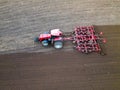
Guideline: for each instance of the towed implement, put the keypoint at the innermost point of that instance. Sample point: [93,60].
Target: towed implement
[85,39]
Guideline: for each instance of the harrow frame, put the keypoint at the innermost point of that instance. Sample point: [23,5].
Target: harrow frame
[87,40]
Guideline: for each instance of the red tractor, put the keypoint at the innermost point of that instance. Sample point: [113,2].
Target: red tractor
[52,37]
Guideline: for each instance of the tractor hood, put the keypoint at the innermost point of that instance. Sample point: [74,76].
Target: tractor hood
[44,36]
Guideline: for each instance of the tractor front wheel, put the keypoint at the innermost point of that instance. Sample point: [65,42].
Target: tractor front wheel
[45,43]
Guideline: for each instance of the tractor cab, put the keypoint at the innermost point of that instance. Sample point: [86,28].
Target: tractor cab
[56,38]
[55,32]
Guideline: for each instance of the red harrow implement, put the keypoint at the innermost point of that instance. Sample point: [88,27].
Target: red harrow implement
[87,40]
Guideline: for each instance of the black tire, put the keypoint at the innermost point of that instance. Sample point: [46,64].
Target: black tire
[58,44]
[45,43]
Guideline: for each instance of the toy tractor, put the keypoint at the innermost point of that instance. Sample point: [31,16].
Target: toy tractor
[52,37]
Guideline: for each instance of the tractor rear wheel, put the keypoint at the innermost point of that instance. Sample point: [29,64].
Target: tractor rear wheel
[58,44]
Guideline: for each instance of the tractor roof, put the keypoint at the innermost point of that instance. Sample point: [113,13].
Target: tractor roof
[55,32]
